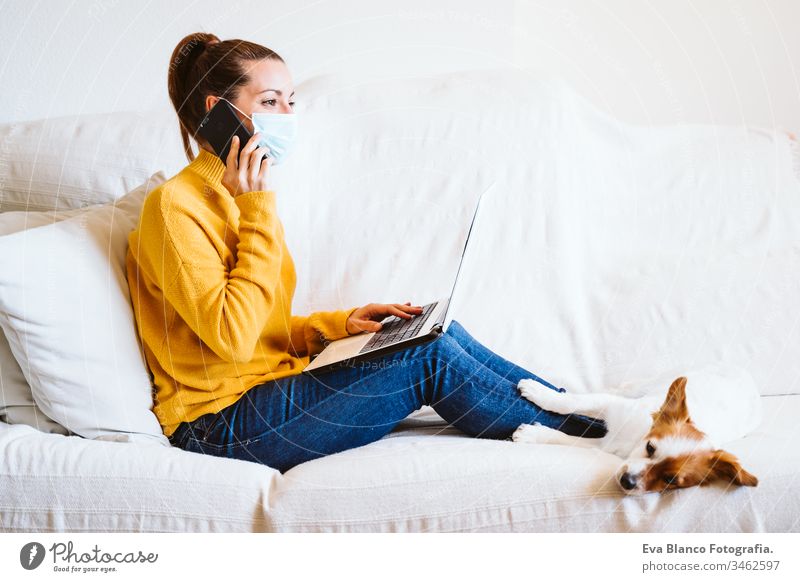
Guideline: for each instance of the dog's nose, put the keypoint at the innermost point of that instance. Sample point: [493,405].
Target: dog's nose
[627,481]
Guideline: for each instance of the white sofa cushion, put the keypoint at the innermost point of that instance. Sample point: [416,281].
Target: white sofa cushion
[81,160]
[17,405]
[424,476]
[67,483]
[429,477]
[65,309]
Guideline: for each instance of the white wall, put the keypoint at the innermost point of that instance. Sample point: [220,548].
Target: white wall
[647,61]
[669,61]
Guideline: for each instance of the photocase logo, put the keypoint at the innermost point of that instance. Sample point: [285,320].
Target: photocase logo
[31,555]
[65,559]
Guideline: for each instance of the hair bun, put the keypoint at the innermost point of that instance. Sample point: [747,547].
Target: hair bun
[190,48]
[207,40]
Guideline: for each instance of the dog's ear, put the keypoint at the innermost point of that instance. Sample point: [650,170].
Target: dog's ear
[674,408]
[725,466]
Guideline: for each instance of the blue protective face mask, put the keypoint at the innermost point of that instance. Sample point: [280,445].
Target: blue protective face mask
[277,130]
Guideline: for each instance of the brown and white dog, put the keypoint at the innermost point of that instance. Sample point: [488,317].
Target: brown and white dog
[668,442]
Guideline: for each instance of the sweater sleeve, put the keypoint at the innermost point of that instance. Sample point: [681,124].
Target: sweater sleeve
[309,333]
[227,310]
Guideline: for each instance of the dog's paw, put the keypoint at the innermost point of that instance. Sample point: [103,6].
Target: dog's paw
[529,433]
[519,435]
[535,392]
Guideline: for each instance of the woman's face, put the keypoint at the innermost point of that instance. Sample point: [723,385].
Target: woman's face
[270,90]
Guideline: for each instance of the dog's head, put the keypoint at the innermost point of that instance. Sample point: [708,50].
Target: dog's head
[676,454]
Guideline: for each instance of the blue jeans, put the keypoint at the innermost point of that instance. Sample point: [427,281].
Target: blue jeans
[294,419]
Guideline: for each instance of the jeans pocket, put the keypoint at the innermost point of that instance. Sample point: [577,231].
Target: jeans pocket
[182,434]
[210,430]
[224,443]
[194,430]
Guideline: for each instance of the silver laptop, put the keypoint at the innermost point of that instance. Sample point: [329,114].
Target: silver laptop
[396,333]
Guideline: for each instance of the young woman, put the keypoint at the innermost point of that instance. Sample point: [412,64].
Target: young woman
[212,283]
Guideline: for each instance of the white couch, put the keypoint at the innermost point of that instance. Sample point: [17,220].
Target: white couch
[609,254]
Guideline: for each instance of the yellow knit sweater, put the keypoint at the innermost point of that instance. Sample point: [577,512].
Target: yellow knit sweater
[211,283]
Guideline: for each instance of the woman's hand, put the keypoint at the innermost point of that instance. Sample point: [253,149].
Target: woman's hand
[368,318]
[251,173]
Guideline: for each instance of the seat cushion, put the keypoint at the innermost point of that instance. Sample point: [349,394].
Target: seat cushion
[432,477]
[53,482]
[423,476]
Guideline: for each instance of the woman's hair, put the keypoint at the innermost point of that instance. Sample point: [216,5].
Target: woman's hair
[202,65]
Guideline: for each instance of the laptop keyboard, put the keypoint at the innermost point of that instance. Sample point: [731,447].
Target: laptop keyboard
[396,329]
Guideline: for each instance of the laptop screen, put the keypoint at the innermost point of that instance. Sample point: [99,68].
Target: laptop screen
[464,251]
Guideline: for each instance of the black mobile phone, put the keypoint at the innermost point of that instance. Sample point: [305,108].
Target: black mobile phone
[220,125]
